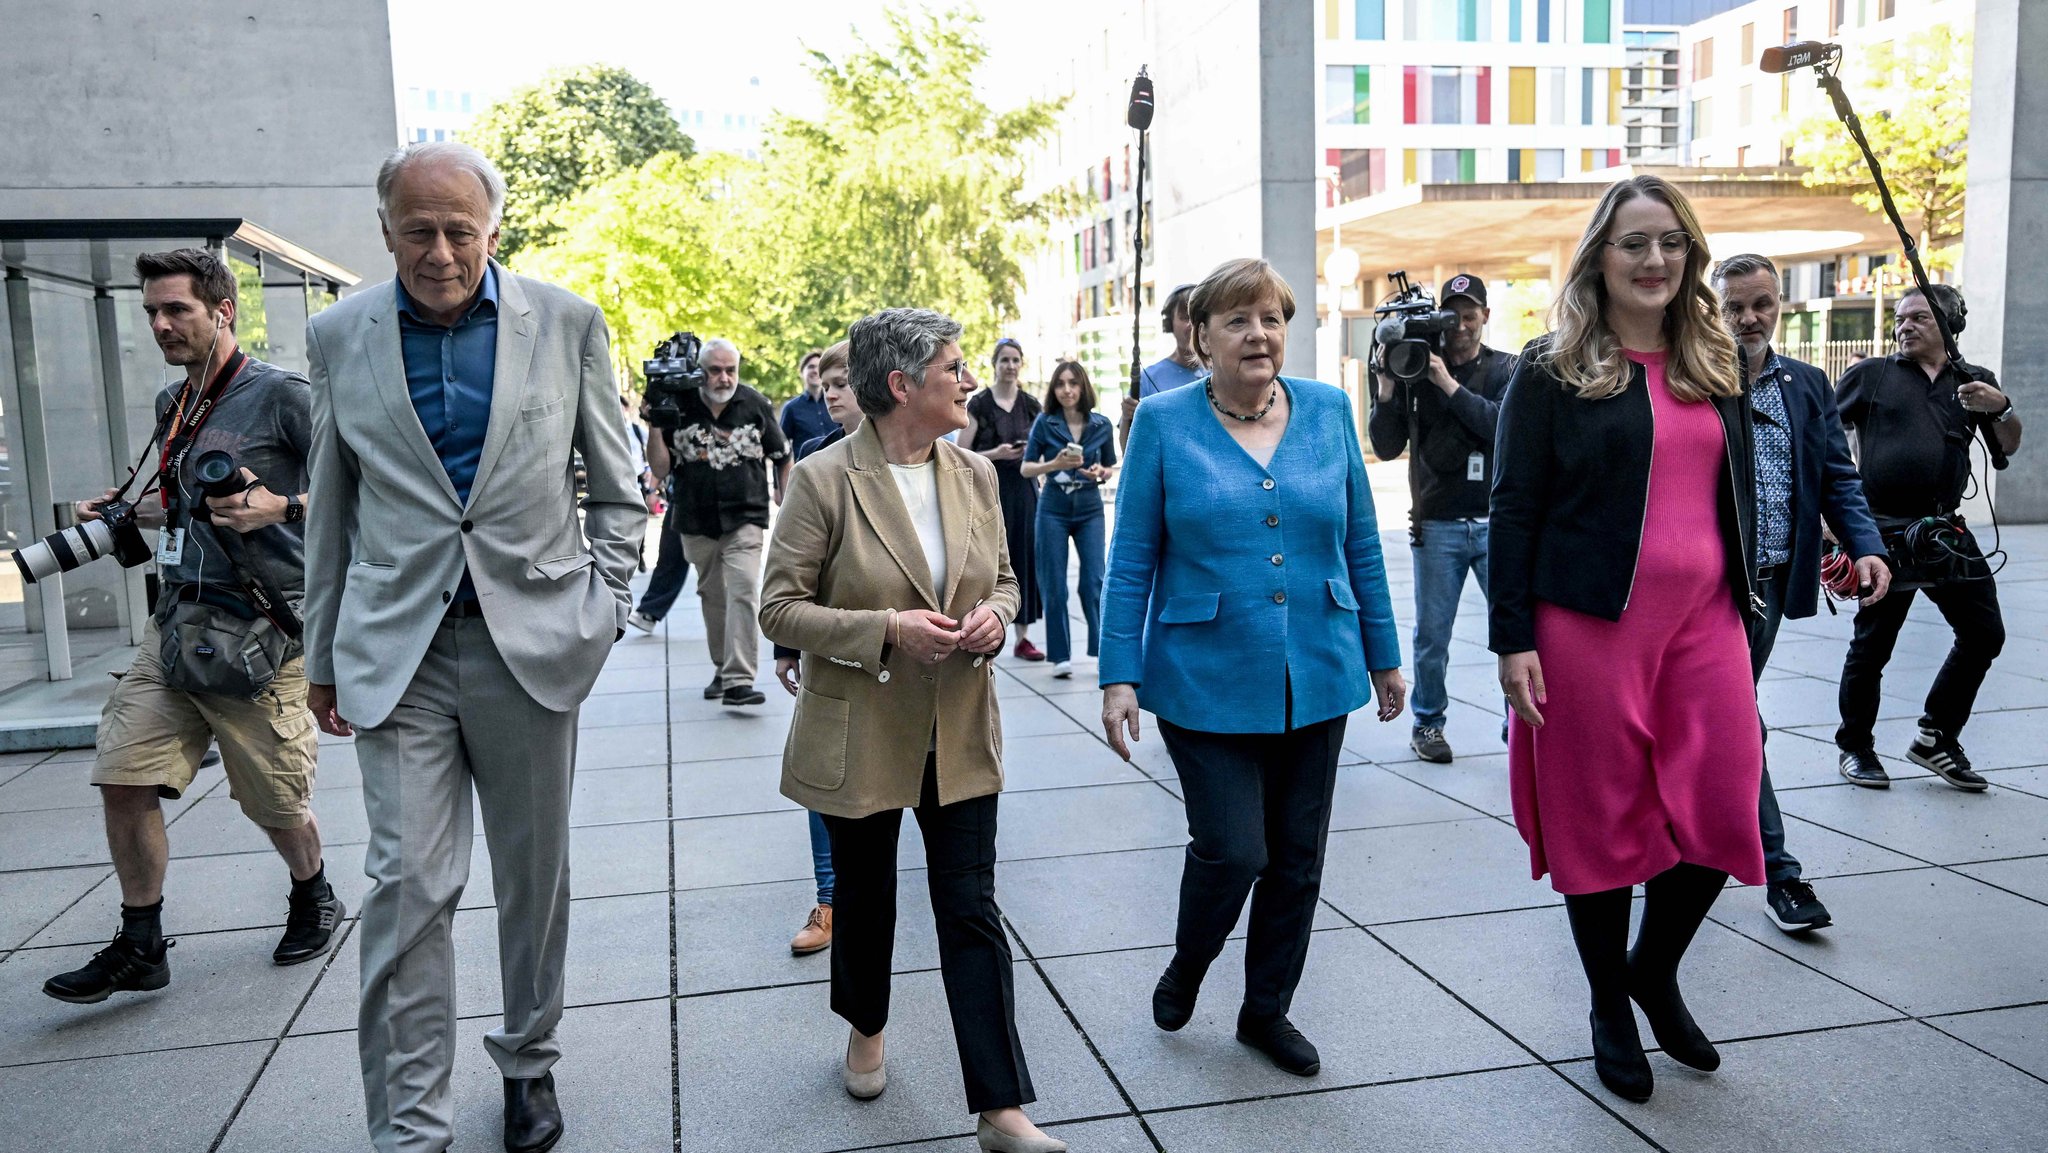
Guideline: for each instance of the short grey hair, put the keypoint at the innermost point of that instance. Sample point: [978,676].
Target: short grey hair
[1742,264]
[451,151]
[893,340]
[719,342]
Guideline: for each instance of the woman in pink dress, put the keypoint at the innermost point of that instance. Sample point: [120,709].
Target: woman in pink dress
[1622,515]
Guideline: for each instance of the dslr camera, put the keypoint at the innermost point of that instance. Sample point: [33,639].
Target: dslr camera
[677,367]
[115,534]
[1408,328]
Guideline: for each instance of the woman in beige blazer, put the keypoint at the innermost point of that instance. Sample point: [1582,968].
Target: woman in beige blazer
[888,570]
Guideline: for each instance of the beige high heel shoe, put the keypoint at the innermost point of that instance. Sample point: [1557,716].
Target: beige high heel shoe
[994,1140]
[864,1086]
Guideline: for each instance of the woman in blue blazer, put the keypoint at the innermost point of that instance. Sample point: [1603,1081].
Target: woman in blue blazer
[1247,608]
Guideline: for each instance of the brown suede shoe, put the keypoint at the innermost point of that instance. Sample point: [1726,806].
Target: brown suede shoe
[816,933]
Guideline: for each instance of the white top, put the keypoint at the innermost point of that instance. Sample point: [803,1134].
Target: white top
[919,486]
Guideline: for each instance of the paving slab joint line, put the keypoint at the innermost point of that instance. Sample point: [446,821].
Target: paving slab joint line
[1588,1094]
[1100,737]
[668,784]
[276,1043]
[968,1134]
[1115,1082]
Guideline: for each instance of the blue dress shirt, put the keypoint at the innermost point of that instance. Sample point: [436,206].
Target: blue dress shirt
[1165,375]
[450,372]
[805,419]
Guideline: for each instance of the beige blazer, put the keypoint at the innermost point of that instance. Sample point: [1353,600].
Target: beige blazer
[844,553]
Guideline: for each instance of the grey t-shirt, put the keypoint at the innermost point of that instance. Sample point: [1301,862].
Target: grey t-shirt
[265,421]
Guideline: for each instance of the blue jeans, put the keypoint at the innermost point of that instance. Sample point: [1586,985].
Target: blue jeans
[671,572]
[1062,515]
[1446,551]
[821,858]
[1779,865]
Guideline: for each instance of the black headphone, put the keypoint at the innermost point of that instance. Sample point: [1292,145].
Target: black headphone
[1950,301]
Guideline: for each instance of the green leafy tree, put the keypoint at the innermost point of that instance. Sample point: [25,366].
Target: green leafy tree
[1915,104]
[574,129]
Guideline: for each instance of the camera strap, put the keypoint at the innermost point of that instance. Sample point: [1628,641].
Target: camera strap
[185,423]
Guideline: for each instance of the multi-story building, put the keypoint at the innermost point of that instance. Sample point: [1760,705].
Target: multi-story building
[437,113]
[727,115]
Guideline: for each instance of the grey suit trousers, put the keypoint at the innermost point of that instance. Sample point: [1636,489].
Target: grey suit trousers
[464,718]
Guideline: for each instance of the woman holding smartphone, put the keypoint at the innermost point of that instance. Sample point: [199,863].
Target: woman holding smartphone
[1074,446]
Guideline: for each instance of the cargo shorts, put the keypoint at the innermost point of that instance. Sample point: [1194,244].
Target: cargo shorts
[153,735]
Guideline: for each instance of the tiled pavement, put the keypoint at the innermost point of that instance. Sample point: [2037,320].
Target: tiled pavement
[1442,987]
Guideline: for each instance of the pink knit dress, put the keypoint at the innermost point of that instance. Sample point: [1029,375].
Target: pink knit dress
[1650,752]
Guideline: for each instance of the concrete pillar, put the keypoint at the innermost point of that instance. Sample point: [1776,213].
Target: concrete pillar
[2007,231]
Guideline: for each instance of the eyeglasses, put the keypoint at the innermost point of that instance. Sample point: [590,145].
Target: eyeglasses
[957,370]
[1636,245]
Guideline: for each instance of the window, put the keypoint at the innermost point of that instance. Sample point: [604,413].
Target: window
[1550,164]
[433,99]
[440,134]
[1452,165]
[1837,15]
[419,136]
[1475,19]
[1749,43]
[1543,21]
[1370,20]
[1587,77]
[1744,101]
[1088,249]
[1361,172]
[1791,26]
[1521,96]
[1742,156]
[1703,116]
[1347,94]
[1447,95]
[1515,21]
[1703,59]
[1886,9]
[1599,26]
[466,97]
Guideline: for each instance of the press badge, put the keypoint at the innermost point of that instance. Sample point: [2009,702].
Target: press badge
[170,546]
[1475,467]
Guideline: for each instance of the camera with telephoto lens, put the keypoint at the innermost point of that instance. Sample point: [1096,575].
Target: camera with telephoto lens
[677,367]
[114,534]
[1408,328]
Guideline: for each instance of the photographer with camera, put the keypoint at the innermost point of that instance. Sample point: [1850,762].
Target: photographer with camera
[719,447]
[220,658]
[1444,417]
[1913,414]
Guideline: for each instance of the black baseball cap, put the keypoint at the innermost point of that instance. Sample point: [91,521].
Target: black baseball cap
[1465,284]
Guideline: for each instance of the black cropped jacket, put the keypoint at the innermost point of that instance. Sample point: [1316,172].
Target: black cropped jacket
[1570,484]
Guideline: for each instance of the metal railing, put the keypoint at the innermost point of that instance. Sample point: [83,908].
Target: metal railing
[1833,356]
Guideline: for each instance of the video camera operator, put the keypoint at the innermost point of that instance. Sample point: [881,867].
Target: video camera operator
[220,657]
[1913,415]
[1445,423]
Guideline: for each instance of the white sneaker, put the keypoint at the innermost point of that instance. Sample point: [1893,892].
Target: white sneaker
[1063,670]
[642,621]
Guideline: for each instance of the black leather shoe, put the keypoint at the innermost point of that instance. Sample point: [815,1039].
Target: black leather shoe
[309,927]
[1618,1057]
[744,695]
[1671,1022]
[1173,1000]
[714,690]
[118,968]
[533,1119]
[1282,1043]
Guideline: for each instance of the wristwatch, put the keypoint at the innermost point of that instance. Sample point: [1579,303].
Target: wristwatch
[2003,414]
[294,509]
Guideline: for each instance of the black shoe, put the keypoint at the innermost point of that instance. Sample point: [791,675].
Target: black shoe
[533,1118]
[309,927]
[744,695]
[1173,1000]
[1861,767]
[1794,908]
[1618,1057]
[714,690]
[1430,745]
[1670,1022]
[1282,1043]
[118,968]
[1943,757]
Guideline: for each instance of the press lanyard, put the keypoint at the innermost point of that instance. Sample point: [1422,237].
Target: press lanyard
[208,398]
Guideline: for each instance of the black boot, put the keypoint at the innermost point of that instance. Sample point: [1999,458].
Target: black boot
[1600,930]
[309,925]
[533,1118]
[1675,902]
[1173,999]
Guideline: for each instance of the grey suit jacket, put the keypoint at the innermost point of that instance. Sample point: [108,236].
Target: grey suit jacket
[387,538]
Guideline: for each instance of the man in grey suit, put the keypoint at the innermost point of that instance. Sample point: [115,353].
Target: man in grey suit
[457,614]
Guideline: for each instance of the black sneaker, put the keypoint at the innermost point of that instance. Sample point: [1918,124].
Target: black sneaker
[1430,745]
[714,690]
[744,695]
[309,927]
[1943,757]
[1861,767]
[118,968]
[1794,908]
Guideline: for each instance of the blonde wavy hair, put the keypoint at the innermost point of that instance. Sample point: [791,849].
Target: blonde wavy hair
[1585,354]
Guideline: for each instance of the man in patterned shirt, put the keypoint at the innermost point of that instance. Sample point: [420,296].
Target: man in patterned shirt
[721,452]
[1804,475]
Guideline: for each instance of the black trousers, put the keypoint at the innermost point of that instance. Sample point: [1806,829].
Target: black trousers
[974,953]
[1258,824]
[1971,610]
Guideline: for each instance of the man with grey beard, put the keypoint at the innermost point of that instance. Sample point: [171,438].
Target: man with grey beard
[720,454]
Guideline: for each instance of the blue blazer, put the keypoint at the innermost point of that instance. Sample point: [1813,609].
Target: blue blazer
[1824,484]
[1227,580]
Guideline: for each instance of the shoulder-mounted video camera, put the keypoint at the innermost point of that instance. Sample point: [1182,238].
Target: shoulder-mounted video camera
[1409,328]
[676,368]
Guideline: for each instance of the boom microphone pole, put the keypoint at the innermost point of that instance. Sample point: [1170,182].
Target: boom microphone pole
[1824,59]
[1139,116]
